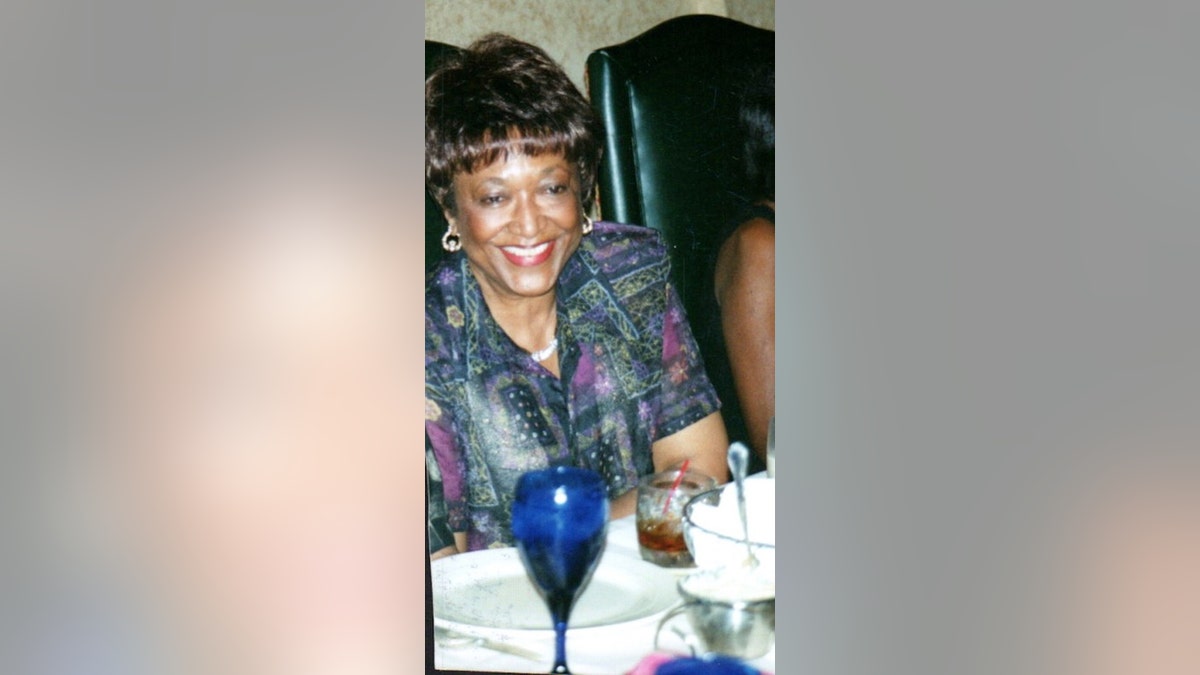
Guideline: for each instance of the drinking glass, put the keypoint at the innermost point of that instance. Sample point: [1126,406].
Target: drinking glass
[659,517]
[559,520]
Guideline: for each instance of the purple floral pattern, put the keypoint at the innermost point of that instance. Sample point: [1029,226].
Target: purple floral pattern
[631,374]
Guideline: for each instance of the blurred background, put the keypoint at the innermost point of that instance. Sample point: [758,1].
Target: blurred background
[205,254]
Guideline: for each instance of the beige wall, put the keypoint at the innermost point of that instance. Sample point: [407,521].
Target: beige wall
[571,29]
[759,13]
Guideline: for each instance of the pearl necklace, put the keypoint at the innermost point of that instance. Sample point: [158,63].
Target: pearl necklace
[543,354]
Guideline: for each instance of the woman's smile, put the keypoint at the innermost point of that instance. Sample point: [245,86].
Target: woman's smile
[529,256]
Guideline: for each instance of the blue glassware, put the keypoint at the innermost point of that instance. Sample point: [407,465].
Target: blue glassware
[559,520]
[706,665]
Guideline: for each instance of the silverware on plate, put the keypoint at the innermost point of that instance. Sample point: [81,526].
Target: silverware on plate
[451,639]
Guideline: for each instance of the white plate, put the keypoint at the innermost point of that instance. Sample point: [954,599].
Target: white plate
[490,590]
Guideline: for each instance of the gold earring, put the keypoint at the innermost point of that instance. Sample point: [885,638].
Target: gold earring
[588,225]
[451,242]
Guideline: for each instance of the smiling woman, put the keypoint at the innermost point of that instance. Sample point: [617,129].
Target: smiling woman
[550,339]
[518,222]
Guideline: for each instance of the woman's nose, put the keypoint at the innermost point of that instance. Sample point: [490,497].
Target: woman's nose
[525,220]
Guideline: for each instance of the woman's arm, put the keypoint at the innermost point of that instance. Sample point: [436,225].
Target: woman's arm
[440,540]
[448,551]
[704,442]
[745,285]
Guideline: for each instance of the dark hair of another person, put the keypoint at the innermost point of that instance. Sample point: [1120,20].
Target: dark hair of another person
[757,118]
[502,95]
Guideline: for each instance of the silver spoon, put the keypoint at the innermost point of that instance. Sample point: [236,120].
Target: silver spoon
[451,639]
[739,457]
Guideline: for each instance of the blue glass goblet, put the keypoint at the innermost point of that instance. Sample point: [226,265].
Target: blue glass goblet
[559,520]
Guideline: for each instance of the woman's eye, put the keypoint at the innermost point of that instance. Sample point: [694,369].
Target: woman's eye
[556,189]
[492,200]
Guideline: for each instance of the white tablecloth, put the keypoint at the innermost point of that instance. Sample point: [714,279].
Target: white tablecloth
[595,651]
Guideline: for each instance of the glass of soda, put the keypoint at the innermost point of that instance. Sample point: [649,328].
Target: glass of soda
[660,514]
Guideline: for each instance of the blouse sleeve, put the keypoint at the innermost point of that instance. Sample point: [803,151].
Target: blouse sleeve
[687,394]
[436,526]
[443,447]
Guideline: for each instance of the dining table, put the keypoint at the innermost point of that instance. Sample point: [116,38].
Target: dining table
[596,649]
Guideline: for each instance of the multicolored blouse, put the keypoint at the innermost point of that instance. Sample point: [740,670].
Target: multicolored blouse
[631,374]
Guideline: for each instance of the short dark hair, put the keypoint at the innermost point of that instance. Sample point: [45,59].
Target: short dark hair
[757,118]
[503,95]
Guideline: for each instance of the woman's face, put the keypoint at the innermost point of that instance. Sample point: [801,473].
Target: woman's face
[519,221]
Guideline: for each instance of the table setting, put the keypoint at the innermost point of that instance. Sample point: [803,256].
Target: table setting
[584,590]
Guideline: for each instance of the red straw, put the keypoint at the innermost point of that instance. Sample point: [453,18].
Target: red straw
[675,485]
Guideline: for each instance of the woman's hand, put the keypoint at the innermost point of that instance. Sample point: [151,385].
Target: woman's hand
[459,545]
[622,506]
[448,551]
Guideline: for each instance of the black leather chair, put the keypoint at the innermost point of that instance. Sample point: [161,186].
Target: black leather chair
[669,101]
[435,223]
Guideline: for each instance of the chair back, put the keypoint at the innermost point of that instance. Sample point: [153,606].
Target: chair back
[669,100]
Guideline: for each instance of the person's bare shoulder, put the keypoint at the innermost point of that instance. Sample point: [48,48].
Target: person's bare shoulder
[754,238]
[750,248]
